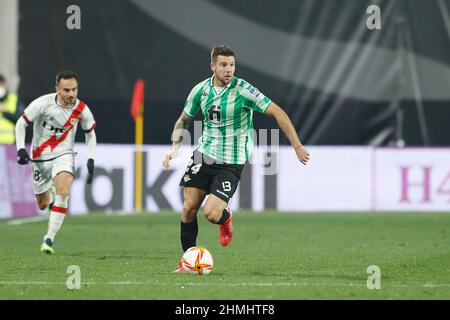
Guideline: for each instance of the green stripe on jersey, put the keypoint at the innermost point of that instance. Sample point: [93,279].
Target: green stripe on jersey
[207,137]
[227,118]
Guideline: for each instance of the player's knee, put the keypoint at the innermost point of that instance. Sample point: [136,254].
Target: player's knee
[62,191]
[189,208]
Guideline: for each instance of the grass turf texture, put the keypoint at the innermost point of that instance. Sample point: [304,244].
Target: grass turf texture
[273,255]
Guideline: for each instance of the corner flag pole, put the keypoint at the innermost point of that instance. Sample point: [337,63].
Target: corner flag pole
[137,112]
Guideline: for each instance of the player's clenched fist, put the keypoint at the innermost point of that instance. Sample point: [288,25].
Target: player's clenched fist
[90,167]
[22,156]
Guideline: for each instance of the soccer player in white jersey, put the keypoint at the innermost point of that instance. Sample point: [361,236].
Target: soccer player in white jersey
[227,104]
[55,118]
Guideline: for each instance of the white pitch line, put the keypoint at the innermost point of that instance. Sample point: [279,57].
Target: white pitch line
[21,221]
[200,284]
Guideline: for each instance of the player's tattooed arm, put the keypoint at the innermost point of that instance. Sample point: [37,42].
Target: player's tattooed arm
[180,127]
[178,133]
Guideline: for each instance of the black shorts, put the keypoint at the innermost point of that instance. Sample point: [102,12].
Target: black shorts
[220,180]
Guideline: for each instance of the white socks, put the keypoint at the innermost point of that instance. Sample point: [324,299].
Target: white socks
[57,215]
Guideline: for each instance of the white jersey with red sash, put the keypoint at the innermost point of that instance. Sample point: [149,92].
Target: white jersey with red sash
[54,127]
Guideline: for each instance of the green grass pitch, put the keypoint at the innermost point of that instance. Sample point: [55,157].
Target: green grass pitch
[286,256]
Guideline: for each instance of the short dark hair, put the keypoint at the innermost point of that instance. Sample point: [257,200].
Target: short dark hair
[221,50]
[2,78]
[66,74]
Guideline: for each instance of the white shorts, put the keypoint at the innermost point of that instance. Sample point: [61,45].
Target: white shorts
[44,172]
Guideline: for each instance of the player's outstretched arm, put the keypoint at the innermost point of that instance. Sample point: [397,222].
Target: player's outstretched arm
[286,126]
[21,129]
[178,133]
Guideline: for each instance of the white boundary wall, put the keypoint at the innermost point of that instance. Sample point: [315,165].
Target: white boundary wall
[336,179]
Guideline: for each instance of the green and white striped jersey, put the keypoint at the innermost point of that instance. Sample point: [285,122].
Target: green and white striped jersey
[227,135]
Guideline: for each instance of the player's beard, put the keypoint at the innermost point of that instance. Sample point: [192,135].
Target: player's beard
[69,101]
[225,81]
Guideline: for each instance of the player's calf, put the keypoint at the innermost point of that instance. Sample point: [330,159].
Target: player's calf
[193,199]
[62,191]
[42,205]
[43,200]
[213,214]
[223,218]
[188,234]
[57,215]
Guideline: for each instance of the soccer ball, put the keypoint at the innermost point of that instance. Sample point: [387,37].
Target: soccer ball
[197,260]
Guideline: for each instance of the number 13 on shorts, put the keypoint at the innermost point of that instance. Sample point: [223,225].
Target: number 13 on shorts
[226,186]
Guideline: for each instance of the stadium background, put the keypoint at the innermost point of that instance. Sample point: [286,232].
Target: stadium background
[355,95]
[341,83]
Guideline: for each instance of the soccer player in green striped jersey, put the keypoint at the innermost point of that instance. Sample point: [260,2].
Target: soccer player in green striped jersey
[226,104]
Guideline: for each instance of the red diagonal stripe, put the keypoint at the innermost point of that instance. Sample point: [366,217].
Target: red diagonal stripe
[75,113]
[53,141]
[59,209]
